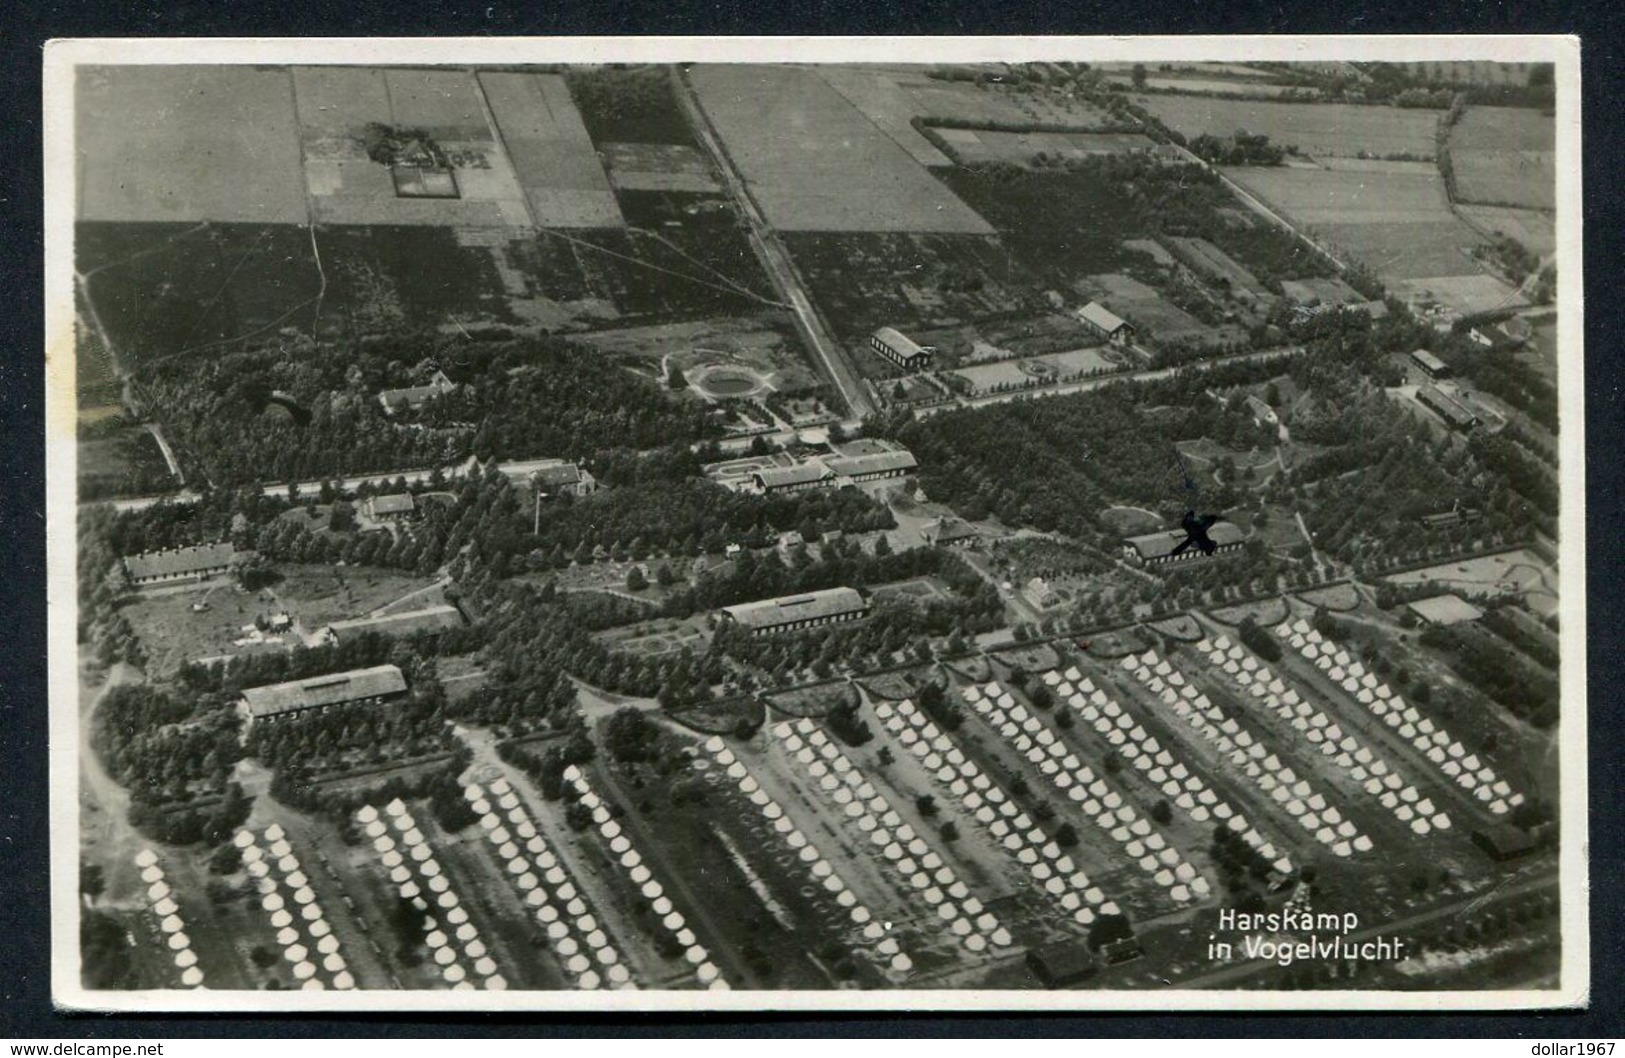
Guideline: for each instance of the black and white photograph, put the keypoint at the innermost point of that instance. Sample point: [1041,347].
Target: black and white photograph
[850,524]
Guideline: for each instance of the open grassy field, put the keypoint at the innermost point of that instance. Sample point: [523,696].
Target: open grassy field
[163,288]
[814,163]
[1522,572]
[1314,128]
[1159,319]
[122,460]
[1505,156]
[1054,367]
[96,384]
[1535,229]
[551,152]
[1464,294]
[762,342]
[187,143]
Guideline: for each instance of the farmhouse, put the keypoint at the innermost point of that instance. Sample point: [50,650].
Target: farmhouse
[414,397]
[1431,365]
[949,532]
[563,479]
[198,562]
[1453,411]
[873,467]
[279,701]
[410,622]
[1155,549]
[793,612]
[900,349]
[390,508]
[1509,334]
[810,475]
[1101,320]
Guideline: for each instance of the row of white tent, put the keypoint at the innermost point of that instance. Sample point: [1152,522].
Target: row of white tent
[1237,744]
[1096,798]
[307,939]
[577,939]
[808,856]
[1161,766]
[906,852]
[671,919]
[419,878]
[1363,765]
[162,901]
[1445,753]
[1051,868]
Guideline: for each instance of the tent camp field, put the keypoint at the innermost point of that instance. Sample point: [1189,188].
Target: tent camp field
[1335,129]
[813,162]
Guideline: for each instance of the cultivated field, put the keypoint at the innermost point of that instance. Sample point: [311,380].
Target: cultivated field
[658,167]
[1314,197]
[1505,156]
[187,143]
[1399,224]
[1337,129]
[551,152]
[884,99]
[336,104]
[814,163]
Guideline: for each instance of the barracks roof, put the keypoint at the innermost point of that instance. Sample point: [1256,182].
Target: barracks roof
[179,561]
[898,341]
[395,503]
[879,462]
[428,619]
[1163,542]
[332,689]
[783,477]
[1100,316]
[770,613]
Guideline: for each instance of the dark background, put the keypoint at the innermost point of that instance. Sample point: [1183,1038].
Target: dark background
[25,1002]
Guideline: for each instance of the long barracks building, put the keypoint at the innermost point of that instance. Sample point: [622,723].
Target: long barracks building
[793,612]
